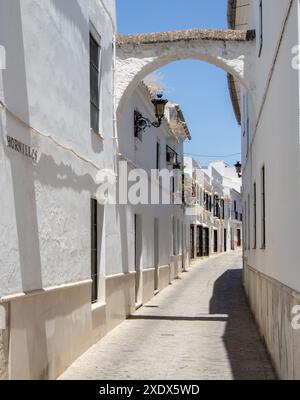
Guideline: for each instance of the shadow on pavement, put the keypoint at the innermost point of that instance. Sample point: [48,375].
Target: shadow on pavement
[174,318]
[246,351]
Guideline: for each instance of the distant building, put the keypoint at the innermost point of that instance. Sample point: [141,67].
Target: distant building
[215,215]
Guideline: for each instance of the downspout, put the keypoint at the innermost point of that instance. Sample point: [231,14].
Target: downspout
[113,25]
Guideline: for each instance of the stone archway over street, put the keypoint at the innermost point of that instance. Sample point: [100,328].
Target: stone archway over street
[139,55]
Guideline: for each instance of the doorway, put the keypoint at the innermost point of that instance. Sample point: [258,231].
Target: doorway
[183,247]
[206,242]
[137,255]
[156,253]
[199,241]
[239,238]
[192,241]
[215,241]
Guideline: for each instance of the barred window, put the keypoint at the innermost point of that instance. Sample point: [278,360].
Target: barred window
[94,83]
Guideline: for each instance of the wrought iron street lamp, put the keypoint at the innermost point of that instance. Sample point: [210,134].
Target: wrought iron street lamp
[142,123]
[238,168]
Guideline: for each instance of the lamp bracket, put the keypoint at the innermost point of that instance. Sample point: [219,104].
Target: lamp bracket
[142,123]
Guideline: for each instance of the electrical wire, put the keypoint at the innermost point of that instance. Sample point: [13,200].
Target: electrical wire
[211,156]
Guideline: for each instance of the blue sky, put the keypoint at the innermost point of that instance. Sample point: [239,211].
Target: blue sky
[200,88]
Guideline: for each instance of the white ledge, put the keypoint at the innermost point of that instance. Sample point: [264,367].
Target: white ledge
[40,292]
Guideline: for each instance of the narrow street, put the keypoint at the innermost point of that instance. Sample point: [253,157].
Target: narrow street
[200,327]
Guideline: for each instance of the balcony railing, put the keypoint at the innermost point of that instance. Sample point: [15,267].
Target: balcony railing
[236,215]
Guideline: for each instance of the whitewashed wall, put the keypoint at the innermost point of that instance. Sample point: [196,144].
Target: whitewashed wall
[45,234]
[45,228]
[143,155]
[275,144]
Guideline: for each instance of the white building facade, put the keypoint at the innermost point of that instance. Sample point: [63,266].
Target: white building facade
[157,243]
[50,158]
[269,117]
[214,214]
[72,265]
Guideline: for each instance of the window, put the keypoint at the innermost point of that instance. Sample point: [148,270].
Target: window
[235,210]
[244,114]
[263,208]
[94,249]
[254,216]
[94,83]
[223,208]
[260,27]
[246,122]
[216,206]
[157,155]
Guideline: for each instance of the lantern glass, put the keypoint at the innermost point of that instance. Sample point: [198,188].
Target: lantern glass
[160,105]
[160,109]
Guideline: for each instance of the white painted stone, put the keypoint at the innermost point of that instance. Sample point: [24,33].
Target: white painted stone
[135,62]
[270,138]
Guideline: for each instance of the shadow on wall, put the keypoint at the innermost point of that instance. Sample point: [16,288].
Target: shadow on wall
[122,222]
[15,87]
[73,14]
[29,341]
[16,96]
[63,176]
[246,351]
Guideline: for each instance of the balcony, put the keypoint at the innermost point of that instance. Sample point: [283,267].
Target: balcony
[236,216]
[172,156]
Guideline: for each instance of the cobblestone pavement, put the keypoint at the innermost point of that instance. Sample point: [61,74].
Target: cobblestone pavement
[200,327]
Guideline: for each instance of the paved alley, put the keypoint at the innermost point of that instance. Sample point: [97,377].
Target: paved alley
[200,327]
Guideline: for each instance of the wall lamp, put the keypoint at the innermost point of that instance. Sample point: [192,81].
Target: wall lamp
[141,123]
[238,168]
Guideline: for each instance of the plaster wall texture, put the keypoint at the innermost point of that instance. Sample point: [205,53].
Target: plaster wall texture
[271,304]
[270,139]
[274,15]
[135,62]
[45,229]
[276,146]
[143,155]
[46,236]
